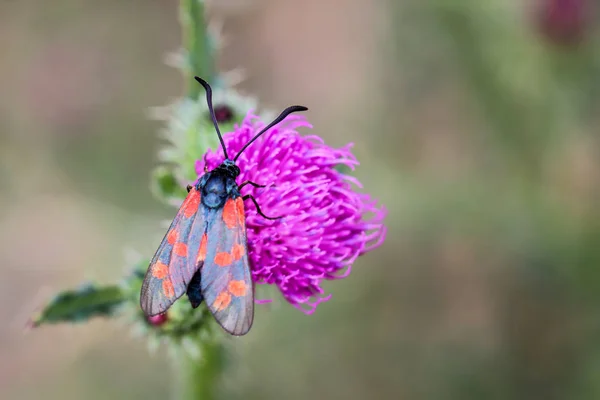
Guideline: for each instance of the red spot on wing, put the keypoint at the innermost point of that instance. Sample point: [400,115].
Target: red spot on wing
[222,301]
[191,204]
[223,259]
[237,288]
[239,204]
[160,270]
[229,213]
[180,249]
[238,251]
[172,236]
[202,250]
[168,289]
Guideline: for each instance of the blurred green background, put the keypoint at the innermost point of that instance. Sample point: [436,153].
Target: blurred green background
[475,123]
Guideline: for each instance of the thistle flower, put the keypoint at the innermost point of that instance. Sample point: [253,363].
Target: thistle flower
[186,121]
[323,229]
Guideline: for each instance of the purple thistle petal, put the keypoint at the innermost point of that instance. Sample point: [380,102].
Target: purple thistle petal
[324,229]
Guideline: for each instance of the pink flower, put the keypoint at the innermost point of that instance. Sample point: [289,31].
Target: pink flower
[324,226]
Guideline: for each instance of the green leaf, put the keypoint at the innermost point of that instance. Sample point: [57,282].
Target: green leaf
[81,304]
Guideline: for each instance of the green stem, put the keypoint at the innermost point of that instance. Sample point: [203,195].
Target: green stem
[198,376]
[197,44]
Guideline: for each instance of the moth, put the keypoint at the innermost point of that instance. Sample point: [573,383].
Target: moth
[204,254]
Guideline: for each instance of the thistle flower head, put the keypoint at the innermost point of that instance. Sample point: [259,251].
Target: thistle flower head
[324,226]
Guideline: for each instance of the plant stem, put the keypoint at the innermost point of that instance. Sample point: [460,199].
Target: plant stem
[198,377]
[197,43]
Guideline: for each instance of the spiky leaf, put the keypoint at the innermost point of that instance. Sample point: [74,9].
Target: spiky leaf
[81,304]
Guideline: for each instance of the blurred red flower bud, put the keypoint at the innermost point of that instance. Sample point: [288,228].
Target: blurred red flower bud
[564,22]
[158,320]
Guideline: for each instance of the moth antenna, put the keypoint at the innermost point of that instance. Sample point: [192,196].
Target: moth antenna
[208,90]
[277,120]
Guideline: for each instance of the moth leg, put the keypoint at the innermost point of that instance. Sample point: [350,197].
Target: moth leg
[249,196]
[251,183]
[189,187]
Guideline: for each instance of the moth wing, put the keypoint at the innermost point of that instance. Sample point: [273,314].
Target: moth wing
[226,280]
[174,263]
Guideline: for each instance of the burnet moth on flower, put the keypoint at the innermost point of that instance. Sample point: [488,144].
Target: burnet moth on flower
[204,253]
